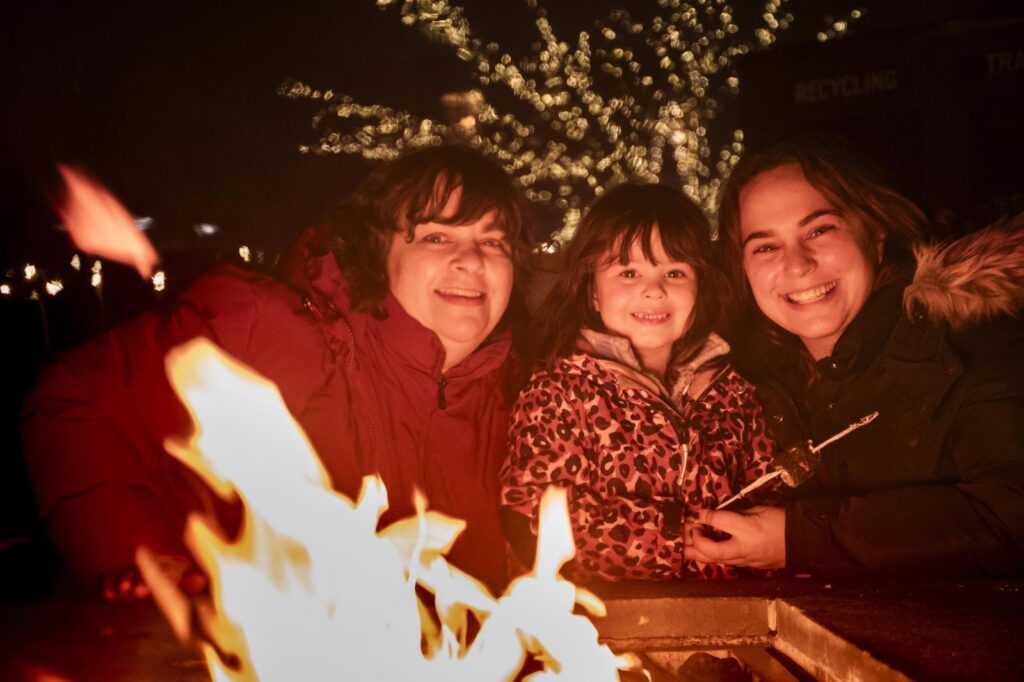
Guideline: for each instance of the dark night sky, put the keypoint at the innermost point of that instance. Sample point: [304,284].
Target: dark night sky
[174,105]
[176,109]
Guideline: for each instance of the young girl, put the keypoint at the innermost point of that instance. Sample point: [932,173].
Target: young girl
[636,412]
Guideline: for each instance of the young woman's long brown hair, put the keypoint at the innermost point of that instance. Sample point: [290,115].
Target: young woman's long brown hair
[852,187]
[626,214]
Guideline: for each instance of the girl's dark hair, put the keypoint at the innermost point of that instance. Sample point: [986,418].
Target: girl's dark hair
[414,189]
[851,185]
[626,215]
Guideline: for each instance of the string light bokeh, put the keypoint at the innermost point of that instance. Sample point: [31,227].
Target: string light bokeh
[631,99]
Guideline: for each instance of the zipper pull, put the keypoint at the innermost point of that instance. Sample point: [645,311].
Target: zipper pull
[309,305]
[682,469]
[441,383]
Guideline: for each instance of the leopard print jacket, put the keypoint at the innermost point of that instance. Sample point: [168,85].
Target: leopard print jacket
[633,460]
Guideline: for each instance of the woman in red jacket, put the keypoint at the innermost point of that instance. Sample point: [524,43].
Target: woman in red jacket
[389,342]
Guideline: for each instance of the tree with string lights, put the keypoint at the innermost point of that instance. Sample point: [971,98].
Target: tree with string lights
[633,99]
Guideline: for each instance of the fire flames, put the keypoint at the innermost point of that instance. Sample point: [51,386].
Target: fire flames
[311,590]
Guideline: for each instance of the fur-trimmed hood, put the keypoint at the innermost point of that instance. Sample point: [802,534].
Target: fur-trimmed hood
[971,279]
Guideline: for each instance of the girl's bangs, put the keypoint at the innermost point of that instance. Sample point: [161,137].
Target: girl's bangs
[675,243]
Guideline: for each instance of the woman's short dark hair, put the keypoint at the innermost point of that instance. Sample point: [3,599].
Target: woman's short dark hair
[629,214]
[414,189]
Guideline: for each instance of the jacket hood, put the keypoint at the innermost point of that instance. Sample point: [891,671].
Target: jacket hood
[310,268]
[972,279]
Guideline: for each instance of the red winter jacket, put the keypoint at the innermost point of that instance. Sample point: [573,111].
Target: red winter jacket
[369,393]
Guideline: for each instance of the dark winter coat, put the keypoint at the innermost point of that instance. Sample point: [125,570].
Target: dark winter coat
[369,393]
[934,486]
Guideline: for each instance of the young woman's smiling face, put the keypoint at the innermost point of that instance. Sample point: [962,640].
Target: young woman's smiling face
[811,266]
[651,304]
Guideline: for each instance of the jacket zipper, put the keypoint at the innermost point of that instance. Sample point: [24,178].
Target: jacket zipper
[443,383]
[441,402]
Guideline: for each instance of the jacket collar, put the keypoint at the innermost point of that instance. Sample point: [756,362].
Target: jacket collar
[867,333]
[615,353]
[905,345]
[421,349]
[915,343]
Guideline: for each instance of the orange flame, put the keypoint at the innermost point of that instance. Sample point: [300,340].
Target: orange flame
[100,225]
[311,590]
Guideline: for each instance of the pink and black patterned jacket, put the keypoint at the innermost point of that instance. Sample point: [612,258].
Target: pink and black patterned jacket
[634,454]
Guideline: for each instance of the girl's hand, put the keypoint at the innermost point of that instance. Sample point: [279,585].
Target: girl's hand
[758,538]
[128,585]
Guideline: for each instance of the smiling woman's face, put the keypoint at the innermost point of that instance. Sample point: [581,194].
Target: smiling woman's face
[811,266]
[455,280]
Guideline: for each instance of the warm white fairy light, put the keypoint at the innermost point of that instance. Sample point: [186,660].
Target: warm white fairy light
[632,100]
[205,229]
[836,28]
[56,280]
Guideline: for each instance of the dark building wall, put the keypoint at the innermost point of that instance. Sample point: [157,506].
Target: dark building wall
[941,107]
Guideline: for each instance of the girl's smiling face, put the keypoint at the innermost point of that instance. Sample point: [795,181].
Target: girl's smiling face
[811,266]
[649,302]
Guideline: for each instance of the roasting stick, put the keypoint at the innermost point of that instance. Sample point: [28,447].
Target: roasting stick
[815,449]
[753,486]
[863,421]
